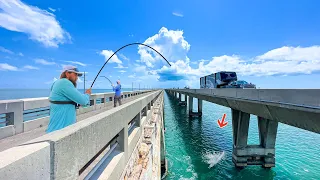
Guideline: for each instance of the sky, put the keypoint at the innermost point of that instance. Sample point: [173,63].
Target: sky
[273,44]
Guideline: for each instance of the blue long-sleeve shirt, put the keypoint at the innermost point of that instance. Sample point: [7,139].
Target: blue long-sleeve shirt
[117,90]
[62,115]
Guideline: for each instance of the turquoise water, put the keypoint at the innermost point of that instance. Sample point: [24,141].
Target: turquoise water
[198,149]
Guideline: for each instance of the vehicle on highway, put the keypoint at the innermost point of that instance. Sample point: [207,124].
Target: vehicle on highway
[240,84]
[218,79]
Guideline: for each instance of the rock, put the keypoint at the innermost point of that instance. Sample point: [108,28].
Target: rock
[136,172]
[143,150]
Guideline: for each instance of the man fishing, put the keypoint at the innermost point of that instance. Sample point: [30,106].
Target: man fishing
[117,94]
[64,98]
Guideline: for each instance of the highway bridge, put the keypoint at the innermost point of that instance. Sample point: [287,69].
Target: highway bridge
[295,107]
[127,142]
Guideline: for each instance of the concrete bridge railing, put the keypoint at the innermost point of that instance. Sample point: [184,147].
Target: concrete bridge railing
[105,140]
[22,115]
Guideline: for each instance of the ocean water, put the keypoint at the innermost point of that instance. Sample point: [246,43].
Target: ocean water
[198,149]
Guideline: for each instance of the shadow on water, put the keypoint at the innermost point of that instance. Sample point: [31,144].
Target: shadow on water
[200,148]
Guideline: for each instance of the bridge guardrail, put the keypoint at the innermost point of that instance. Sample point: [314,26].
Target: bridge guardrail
[65,154]
[22,115]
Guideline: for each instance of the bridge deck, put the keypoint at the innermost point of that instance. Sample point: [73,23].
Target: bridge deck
[18,139]
[295,107]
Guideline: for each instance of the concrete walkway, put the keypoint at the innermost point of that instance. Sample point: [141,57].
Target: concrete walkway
[13,141]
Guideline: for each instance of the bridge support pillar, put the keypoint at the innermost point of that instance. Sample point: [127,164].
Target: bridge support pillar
[182,103]
[267,135]
[244,154]
[200,106]
[190,102]
[191,112]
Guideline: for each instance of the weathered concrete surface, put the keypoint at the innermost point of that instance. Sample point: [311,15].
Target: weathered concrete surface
[15,140]
[69,154]
[26,162]
[33,103]
[36,123]
[295,107]
[6,131]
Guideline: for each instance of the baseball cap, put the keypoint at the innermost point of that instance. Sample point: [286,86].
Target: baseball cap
[70,68]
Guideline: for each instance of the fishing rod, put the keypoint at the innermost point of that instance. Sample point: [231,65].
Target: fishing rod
[119,50]
[107,78]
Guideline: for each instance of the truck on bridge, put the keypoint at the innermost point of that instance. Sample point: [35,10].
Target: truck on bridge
[218,79]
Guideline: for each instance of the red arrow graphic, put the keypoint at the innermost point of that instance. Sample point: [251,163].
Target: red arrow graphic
[221,123]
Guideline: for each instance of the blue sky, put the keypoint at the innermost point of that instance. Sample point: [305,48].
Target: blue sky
[274,44]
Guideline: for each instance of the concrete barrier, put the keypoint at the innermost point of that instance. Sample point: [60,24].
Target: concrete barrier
[14,109]
[26,162]
[74,146]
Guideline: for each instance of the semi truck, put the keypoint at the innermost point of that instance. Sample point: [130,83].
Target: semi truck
[218,79]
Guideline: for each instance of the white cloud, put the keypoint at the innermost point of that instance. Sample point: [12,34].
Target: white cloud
[51,9]
[2,49]
[122,71]
[132,76]
[280,61]
[177,14]
[120,66]
[140,69]
[79,80]
[124,57]
[20,54]
[107,54]
[38,24]
[30,67]
[7,67]
[77,62]
[171,44]
[292,54]
[44,62]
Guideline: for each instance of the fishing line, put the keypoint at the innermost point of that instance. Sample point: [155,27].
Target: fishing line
[119,50]
[107,78]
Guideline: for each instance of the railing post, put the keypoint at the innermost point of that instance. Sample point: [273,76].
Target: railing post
[14,113]
[123,141]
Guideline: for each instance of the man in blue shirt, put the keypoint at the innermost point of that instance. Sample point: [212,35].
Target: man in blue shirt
[117,94]
[64,98]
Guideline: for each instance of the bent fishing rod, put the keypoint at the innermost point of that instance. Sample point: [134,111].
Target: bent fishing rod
[107,78]
[119,50]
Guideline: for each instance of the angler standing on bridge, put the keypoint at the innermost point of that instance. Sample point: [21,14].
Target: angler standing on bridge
[117,94]
[64,98]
